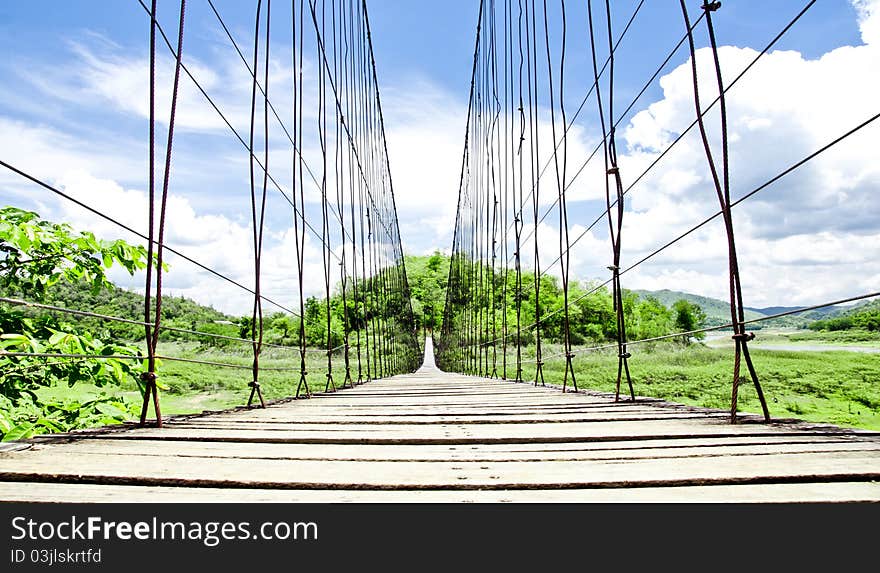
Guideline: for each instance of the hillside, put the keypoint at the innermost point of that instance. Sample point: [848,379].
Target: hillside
[810,314]
[176,311]
[859,308]
[717,311]
[861,316]
[836,311]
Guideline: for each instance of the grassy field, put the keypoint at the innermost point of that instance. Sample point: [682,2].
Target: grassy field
[835,387]
[854,337]
[189,388]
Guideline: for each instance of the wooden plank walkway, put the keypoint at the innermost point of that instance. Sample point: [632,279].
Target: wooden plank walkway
[432,436]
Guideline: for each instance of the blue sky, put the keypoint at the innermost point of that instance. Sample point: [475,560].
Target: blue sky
[71,111]
[412,38]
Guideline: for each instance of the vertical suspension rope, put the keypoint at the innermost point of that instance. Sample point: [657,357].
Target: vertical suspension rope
[299,215]
[722,189]
[473,175]
[325,216]
[493,242]
[564,246]
[339,69]
[152,333]
[534,161]
[623,354]
[505,188]
[359,311]
[612,170]
[359,129]
[367,277]
[482,247]
[740,336]
[377,331]
[257,316]
[149,377]
[379,214]
[519,216]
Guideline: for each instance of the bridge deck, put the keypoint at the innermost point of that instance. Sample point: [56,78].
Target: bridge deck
[433,436]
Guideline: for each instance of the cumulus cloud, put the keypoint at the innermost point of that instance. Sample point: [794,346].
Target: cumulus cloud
[809,237]
[212,240]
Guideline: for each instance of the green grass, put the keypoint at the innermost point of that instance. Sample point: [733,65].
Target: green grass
[841,388]
[853,336]
[188,388]
[835,387]
[192,388]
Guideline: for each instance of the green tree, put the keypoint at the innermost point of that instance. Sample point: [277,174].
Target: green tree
[689,317]
[651,319]
[39,253]
[36,255]
[427,277]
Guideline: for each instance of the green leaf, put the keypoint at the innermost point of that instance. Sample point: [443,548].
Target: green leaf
[50,425]
[13,339]
[117,370]
[111,410]
[22,431]
[19,341]
[58,337]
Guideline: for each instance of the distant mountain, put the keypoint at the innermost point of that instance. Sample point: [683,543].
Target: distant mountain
[717,311]
[823,313]
[767,311]
[810,314]
[864,306]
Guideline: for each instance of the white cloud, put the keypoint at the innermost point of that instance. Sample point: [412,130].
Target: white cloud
[424,132]
[810,237]
[210,239]
[869,20]
[209,211]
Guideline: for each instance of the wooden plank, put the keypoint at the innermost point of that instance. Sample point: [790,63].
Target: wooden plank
[468,434]
[457,421]
[305,474]
[761,493]
[530,452]
[499,452]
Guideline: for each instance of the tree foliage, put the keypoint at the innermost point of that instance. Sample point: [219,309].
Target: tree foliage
[38,255]
[689,317]
[427,278]
[865,317]
[592,317]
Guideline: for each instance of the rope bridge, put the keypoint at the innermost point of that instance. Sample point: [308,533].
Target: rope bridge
[357,230]
[519,68]
[311,152]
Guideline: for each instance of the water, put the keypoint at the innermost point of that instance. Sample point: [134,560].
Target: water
[723,340]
